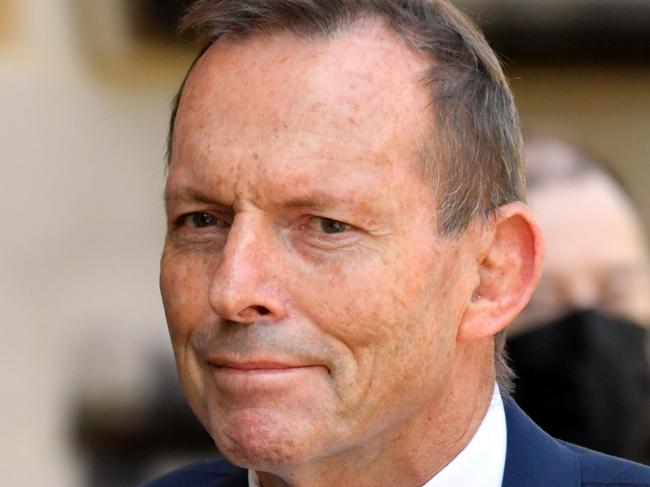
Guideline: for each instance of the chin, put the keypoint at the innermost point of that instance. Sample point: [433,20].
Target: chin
[262,440]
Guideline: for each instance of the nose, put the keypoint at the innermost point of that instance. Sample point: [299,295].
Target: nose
[245,285]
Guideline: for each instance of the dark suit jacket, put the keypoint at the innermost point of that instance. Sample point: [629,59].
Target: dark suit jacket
[533,459]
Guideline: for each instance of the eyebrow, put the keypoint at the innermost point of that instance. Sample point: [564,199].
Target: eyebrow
[316,200]
[186,194]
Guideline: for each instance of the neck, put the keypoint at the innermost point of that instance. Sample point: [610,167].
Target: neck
[417,449]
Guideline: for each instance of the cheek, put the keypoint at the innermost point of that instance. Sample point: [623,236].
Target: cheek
[363,299]
[397,343]
[184,286]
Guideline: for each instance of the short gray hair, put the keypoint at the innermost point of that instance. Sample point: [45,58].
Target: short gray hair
[477,164]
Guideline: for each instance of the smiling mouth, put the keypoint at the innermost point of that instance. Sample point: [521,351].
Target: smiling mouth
[253,365]
[262,366]
[243,378]
[261,370]
[259,367]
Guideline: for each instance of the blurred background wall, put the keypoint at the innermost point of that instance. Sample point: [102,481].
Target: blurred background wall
[85,87]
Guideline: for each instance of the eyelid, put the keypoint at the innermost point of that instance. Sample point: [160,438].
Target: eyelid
[312,219]
[182,219]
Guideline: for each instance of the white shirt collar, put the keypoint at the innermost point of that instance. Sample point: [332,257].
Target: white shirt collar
[482,461]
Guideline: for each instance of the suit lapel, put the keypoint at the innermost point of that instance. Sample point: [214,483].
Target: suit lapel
[534,458]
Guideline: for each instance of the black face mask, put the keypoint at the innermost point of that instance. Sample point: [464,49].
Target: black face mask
[585,378]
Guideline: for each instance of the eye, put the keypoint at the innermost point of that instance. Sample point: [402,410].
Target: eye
[203,219]
[329,226]
[326,234]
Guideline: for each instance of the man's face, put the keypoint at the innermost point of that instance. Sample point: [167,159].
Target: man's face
[312,306]
[596,253]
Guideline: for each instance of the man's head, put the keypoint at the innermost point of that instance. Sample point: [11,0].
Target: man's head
[596,249]
[345,237]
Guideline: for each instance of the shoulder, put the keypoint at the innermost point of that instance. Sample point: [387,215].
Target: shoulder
[598,469]
[535,459]
[213,473]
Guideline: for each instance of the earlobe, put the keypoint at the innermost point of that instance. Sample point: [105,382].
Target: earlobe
[508,273]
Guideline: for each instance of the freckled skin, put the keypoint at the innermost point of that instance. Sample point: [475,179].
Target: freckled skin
[374,310]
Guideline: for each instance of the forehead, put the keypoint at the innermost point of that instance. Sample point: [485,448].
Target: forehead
[360,88]
[588,221]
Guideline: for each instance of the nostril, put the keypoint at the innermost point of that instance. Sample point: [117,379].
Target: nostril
[261,310]
[249,315]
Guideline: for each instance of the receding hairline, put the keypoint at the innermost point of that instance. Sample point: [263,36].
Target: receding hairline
[424,150]
[361,24]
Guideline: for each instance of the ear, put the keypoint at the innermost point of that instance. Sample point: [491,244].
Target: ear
[508,271]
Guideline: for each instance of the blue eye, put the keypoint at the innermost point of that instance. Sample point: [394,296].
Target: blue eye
[329,226]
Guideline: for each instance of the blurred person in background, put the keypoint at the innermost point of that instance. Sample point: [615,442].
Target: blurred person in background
[580,348]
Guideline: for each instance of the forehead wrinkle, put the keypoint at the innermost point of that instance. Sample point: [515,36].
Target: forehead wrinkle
[358,75]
